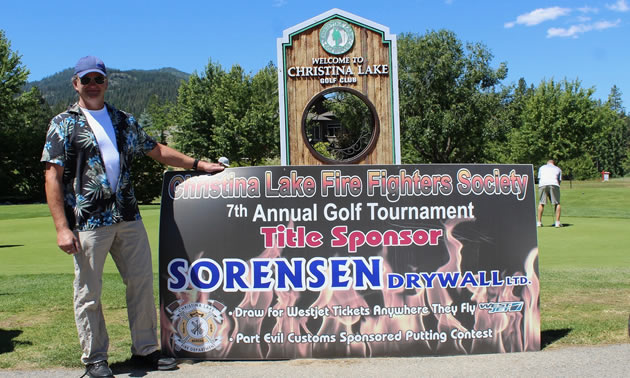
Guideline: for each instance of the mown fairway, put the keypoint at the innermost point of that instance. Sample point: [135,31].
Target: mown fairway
[584,275]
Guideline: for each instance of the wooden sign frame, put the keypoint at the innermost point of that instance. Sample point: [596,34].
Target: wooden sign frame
[361,60]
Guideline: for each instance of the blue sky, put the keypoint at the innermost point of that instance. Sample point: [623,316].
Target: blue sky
[584,39]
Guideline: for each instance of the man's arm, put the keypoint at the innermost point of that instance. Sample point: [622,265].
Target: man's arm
[169,156]
[66,240]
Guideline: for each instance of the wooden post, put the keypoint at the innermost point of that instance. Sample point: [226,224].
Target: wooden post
[331,53]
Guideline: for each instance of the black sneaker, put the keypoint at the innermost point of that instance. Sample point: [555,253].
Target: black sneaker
[98,369]
[155,361]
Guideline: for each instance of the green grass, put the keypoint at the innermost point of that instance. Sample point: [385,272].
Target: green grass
[584,276]
[594,199]
[585,281]
[36,317]
[24,212]
[37,321]
[585,266]
[28,245]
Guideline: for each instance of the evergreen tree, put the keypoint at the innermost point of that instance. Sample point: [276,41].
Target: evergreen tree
[148,174]
[506,121]
[261,139]
[613,141]
[560,121]
[230,102]
[194,115]
[229,114]
[23,122]
[447,96]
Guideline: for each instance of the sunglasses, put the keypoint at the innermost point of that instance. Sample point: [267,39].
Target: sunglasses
[98,79]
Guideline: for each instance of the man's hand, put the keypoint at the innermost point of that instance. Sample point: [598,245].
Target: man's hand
[205,166]
[66,239]
[169,156]
[68,242]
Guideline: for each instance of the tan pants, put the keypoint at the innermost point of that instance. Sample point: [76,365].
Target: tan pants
[129,246]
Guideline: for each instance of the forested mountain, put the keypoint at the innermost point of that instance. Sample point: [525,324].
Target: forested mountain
[128,90]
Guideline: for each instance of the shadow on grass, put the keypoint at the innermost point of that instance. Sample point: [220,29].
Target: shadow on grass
[550,336]
[563,225]
[7,342]
[11,245]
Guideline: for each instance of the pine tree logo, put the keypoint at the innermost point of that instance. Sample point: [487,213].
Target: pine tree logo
[336,37]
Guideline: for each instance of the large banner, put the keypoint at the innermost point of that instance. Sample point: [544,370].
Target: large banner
[349,261]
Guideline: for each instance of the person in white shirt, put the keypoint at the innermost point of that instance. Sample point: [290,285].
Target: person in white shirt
[88,153]
[549,178]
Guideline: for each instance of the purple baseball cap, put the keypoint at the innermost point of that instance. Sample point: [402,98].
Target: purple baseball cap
[89,64]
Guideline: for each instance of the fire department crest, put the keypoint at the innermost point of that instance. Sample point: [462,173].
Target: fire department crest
[196,325]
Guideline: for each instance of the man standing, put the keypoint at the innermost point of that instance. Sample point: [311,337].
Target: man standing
[549,178]
[88,153]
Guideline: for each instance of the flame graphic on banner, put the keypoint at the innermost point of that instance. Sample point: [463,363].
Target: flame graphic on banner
[428,333]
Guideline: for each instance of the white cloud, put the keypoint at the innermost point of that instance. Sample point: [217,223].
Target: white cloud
[601,25]
[587,9]
[279,3]
[575,30]
[538,16]
[619,6]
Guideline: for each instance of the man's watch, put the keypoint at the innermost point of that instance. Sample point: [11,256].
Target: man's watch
[195,164]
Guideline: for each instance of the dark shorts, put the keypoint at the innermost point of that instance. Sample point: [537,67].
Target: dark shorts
[549,191]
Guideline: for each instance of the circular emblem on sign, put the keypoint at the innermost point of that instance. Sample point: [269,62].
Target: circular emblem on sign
[336,36]
[196,326]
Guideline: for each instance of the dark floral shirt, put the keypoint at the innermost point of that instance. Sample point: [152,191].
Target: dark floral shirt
[89,201]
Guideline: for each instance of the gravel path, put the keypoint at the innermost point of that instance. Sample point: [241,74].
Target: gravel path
[602,361]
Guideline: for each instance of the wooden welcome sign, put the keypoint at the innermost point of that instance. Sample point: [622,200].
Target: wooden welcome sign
[338,87]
